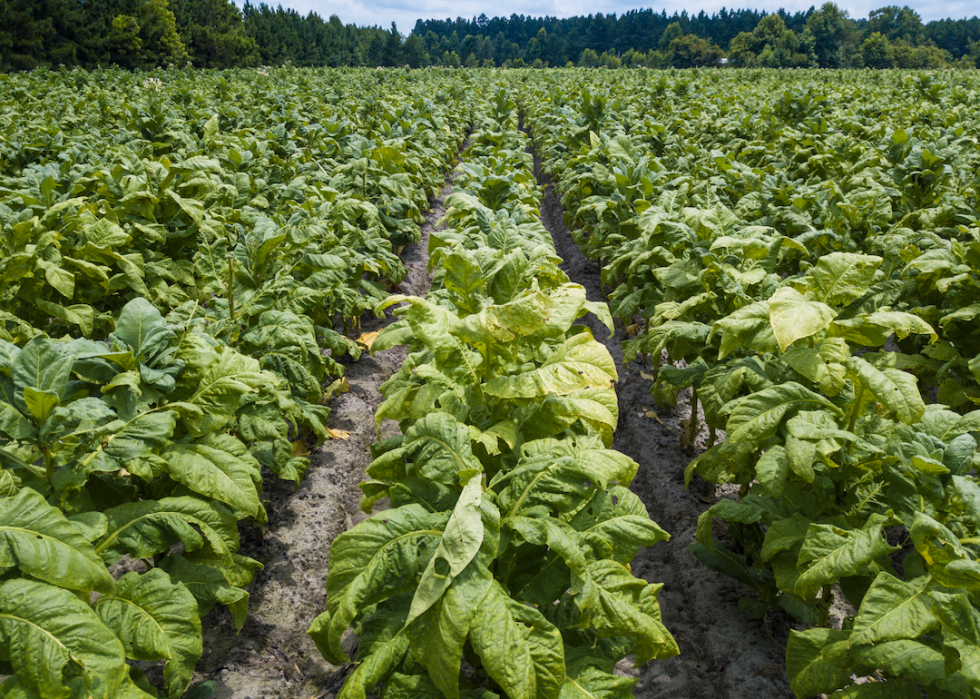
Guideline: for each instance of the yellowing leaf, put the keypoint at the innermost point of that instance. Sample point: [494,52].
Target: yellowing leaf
[654,415]
[341,385]
[367,339]
[338,434]
[794,317]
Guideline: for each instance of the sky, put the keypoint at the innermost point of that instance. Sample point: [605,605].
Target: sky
[406,12]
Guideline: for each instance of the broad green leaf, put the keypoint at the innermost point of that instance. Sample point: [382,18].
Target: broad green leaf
[961,630]
[620,604]
[785,535]
[748,328]
[875,328]
[58,277]
[730,511]
[595,684]
[218,467]
[437,636]
[142,327]
[909,659]
[758,416]
[37,539]
[383,556]
[211,128]
[431,325]
[819,427]
[901,323]
[892,610]
[40,403]
[793,317]
[42,365]
[155,620]
[616,525]
[562,543]
[44,630]
[444,449]
[534,313]
[518,648]
[221,379]
[12,422]
[595,407]
[772,468]
[209,586]
[896,389]
[579,362]
[464,278]
[966,313]
[193,208]
[810,672]
[950,563]
[375,667]
[841,277]
[830,553]
[401,686]
[144,529]
[460,542]
[79,314]
[946,425]
[564,481]
[823,364]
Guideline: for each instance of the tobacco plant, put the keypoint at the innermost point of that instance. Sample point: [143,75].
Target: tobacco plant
[511,526]
[813,268]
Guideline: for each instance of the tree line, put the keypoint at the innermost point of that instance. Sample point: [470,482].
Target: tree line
[145,34]
[827,37]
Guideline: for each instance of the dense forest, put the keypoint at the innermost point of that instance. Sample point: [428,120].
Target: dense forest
[143,34]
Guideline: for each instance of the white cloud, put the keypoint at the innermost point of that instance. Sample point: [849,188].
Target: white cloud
[384,12]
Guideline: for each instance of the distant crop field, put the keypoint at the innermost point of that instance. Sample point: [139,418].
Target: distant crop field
[517,313]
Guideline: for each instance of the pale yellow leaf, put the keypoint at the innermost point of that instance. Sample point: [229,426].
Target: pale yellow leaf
[367,339]
[341,385]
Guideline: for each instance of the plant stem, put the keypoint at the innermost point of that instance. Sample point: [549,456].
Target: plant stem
[852,420]
[826,601]
[692,425]
[48,465]
[230,290]
[858,398]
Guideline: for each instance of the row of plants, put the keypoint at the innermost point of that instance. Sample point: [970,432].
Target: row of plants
[807,256]
[181,259]
[501,568]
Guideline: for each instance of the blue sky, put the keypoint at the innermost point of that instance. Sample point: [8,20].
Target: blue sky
[406,12]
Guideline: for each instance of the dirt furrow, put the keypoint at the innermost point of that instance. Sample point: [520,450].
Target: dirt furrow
[273,657]
[724,654]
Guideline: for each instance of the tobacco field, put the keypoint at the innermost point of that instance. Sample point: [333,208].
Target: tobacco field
[489,384]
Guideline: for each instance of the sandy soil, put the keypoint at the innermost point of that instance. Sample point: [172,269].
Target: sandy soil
[724,654]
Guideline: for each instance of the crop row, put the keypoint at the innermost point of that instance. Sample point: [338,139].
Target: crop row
[179,258]
[808,258]
[511,526]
